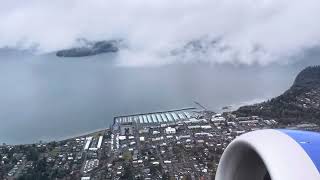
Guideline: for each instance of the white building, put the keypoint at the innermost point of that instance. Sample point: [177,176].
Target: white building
[170,130]
[87,143]
[217,118]
[100,142]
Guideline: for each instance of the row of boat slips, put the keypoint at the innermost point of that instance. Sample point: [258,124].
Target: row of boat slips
[159,117]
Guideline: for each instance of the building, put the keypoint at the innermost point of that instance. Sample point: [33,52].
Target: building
[126,128]
[170,130]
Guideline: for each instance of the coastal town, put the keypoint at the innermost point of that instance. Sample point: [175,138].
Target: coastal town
[177,144]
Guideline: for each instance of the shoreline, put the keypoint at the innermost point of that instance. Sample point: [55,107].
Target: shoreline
[57,139]
[86,133]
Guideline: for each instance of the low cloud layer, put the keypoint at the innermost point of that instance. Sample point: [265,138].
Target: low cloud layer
[168,31]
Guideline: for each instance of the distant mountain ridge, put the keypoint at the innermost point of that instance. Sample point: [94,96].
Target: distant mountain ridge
[90,48]
[299,103]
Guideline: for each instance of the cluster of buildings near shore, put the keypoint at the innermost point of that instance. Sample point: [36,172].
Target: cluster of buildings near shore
[177,144]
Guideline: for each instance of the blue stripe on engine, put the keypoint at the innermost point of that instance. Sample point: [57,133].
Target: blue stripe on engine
[309,141]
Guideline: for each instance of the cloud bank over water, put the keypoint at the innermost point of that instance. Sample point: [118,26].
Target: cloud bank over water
[167,31]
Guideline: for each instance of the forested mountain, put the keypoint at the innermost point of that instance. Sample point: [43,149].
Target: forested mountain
[299,103]
[90,49]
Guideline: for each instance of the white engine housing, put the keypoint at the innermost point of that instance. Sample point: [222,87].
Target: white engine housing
[271,154]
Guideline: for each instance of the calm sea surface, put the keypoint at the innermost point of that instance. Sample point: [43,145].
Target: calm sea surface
[43,97]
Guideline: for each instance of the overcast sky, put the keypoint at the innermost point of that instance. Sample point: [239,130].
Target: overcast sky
[245,31]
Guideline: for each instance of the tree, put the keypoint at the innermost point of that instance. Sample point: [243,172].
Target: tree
[165,176]
[127,156]
[128,173]
[33,154]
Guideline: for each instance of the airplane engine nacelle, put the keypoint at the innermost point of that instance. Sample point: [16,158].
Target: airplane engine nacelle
[272,155]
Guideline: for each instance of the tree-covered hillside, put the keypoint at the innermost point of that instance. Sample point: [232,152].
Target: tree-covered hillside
[300,103]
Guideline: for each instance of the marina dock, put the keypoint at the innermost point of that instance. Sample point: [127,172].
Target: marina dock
[159,117]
